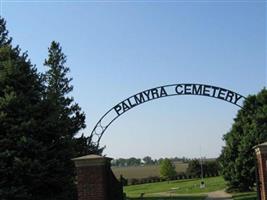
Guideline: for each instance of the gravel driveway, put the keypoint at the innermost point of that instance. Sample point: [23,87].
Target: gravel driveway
[219,195]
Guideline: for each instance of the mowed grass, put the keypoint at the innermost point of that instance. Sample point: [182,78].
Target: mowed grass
[245,196]
[188,197]
[144,171]
[189,186]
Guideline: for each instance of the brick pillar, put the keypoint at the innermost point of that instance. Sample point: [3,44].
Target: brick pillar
[92,174]
[261,155]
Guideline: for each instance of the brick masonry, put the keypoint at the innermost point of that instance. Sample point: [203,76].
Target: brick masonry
[95,179]
[261,155]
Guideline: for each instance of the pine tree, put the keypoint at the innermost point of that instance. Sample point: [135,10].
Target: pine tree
[85,145]
[65,111]
[20,100]
[38,122]
[64,120]
[249,129]
[4,38]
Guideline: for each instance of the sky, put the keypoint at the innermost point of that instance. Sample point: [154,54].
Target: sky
[118,48]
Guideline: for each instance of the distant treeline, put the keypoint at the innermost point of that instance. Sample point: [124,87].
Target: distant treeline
[195,169]
[147,160]
[155,179]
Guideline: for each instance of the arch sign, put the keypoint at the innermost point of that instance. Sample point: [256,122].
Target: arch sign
[160,92]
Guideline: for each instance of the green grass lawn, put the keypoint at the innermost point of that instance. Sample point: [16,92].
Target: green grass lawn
[176,187]
[245,196]
[199,197]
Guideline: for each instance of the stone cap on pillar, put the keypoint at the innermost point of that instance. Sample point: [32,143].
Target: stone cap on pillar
[91,160]
[261,148]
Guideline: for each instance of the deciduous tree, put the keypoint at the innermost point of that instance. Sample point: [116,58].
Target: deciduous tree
[167,169]
[148,160]
[249,129]
[194,168]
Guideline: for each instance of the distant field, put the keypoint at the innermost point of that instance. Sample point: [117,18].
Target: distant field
[144,171]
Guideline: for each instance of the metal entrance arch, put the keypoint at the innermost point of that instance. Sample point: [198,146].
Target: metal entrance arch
[160,92]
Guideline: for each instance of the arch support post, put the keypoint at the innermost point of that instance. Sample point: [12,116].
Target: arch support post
[261,156]
[95,179]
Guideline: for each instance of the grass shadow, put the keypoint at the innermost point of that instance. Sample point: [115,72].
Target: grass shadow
[169,198]
[246,196]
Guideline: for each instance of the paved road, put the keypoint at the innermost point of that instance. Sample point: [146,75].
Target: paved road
[219,195]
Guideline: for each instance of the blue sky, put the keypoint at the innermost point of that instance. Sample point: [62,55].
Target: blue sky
[118,48]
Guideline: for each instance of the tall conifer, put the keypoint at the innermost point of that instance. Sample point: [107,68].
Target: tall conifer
[38,122]
[20,100]
[64,120]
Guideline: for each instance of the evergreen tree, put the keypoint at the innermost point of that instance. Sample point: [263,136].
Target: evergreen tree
[84,145]
[64,120]
[4,38]
[249,129]
[38,122]
[20,108]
